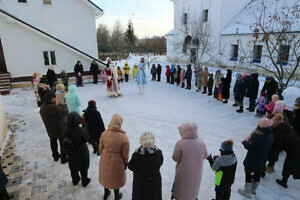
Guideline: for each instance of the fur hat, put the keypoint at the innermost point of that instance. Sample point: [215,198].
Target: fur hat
[92,103]
[227,145]
[278,117]
[275,97]
[265,122]
[147,140]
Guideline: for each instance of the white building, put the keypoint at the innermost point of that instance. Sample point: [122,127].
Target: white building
[231,30]
[37,34]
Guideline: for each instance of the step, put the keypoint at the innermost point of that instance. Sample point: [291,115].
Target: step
[5,87]
[8,75]
[4,83]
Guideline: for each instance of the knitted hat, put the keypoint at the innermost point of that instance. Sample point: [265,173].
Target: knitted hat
[265,122]
[147,140]
[227,145]
[275,97]
[92,103]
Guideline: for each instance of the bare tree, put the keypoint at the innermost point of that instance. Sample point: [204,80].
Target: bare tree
[117,38]
[150,58]
[274,31]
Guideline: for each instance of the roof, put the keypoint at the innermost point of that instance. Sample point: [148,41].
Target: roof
[49,36]
[244,22]
[97,7]
[170,33]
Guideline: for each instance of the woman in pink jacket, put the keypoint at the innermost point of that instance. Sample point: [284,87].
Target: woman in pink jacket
[189,154]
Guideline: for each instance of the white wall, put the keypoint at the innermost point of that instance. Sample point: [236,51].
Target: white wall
[72,21]
[23,51]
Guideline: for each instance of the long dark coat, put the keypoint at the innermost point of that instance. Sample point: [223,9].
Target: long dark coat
[146,176]
[94,122]
[53,117]
[270,88]
[252,90]
[240,89]
[78,68]
[94,69]
[258,149]
[226,85]
[158,69]
[296,121]
[286,139]
[79,159]
[188,74]
[3,178]
[51,76]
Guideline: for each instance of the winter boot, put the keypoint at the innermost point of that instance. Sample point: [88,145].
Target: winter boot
[282,183]
[86,182]
[76,181]
[226,101]
[270,169]
[246,192]
[107,192]
[241,110]
[254,187]
[234,105]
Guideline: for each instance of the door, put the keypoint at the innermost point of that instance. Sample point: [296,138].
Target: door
[3,68]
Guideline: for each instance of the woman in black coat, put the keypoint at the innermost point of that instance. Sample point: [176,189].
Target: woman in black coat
[270,87]
[95,125]
[188,77]
[226,86]
[286,139]
[252,91]
[79,159]
[158,72]
[51,77]
[95,71]
[145,164]
[78,70]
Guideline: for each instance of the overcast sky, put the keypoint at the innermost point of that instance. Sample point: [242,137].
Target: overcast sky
[150,17]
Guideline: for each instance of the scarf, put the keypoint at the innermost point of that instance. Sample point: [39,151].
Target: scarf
[147,151]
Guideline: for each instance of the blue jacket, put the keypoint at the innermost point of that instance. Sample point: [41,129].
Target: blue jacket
[72,100]
[141,77]
[3,178]
[258,147]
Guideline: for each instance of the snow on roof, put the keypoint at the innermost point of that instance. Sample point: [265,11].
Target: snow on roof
[170,33]
[244,22]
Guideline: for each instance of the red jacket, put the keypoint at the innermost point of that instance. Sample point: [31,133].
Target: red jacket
[168,71]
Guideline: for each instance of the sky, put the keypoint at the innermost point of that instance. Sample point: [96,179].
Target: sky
[150,17]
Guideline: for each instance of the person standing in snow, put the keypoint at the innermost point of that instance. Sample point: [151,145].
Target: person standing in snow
[258,144]
[72,100]
[168,73]
[226,86]
[64,78]
[51,77]
[205,75]
[113,88]
[158,72]
[103,76]
[225,167]
[60,93]
[79,159]
[145,164]
[271,105]
[218,77]
[134,71]
[141,76]
[114,151]
[210,84]
[189,154]
[54,117]
[78,70]
[43,88]
[241,89]
[182,77]
[252,91]
[270,87]
[177,75]
[153,72]
[172,71]
[95,71]
[126,70]
[286,139]
[188,77]
[198,75]
[94,124]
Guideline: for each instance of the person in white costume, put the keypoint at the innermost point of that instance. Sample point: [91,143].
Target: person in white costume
[113,88]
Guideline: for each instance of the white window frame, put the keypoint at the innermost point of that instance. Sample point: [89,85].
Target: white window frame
[50,58]
[232,52]
[256,57]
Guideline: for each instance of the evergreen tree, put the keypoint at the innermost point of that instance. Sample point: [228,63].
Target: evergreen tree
[130,38]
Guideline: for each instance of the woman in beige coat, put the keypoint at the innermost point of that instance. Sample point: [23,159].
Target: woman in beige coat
[114,151]
[189,154]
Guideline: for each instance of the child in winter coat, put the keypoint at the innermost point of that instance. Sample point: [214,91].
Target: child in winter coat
[182,77]
[168,74]
[134,71]
[145,164]
[225,167]
[271,105]
[261,109]
[103,76]
[217,80]
[210,84]
[258,144]
[72,99]
[221,85]
[79,80]
[120,74]
[60,93]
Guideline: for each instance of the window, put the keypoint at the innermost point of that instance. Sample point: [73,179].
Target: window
[257,51]
[283,57]
[205,15]
[234,52]
[185,18]
[22,1]
[52,57]
[184,49]
[47,2]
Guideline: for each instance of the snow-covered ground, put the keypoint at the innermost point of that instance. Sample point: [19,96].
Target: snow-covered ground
[160,110]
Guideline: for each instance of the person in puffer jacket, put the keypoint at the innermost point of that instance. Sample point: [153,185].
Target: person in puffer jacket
[225,167]
[72,99]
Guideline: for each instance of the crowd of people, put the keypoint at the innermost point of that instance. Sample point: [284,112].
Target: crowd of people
[70,133]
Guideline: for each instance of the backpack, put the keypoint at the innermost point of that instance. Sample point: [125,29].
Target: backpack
[68,145]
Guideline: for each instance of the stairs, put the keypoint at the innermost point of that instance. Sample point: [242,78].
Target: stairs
[5,83]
